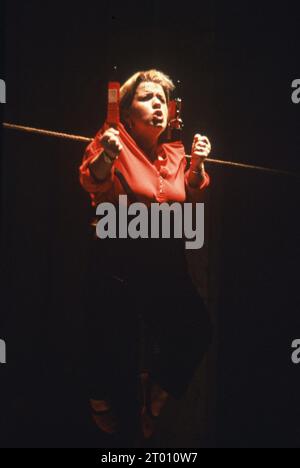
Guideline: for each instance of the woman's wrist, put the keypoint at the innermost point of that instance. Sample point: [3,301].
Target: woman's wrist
[197,175]
[107,158]
[100,167]
[199,170]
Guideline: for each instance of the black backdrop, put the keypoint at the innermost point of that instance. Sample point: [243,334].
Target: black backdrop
[236,65]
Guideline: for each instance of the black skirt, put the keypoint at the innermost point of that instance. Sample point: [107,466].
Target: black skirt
[142,312]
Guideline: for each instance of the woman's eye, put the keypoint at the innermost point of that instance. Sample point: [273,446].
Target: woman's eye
[162,99]
[150,96]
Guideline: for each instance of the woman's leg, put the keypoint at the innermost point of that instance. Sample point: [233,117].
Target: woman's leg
[181,327]
[110,367]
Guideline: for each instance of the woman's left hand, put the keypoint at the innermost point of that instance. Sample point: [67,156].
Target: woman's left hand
[200,150]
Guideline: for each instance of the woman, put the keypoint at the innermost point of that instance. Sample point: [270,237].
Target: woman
[143,279]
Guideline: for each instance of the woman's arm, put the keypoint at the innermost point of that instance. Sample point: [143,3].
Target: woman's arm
[96,168]
[195,186]
[196,179]
[96,172]
[196,176]
[100,167]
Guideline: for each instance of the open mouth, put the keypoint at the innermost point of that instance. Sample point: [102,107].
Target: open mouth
[158,118]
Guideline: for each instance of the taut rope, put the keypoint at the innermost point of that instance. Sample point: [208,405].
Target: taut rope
[67,136]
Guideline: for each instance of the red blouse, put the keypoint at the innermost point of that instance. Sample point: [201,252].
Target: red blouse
[164,180]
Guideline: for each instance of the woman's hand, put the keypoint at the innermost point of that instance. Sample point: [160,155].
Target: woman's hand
[200,150]
[111,143]
[100,167]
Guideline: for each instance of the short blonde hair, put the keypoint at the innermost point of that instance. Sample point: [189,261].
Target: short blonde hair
[129,88]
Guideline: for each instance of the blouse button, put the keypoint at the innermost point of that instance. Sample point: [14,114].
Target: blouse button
[163,172]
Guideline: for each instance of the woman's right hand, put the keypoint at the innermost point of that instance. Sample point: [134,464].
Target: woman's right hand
[111,143]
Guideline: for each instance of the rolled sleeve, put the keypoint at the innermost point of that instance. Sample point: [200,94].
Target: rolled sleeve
[195,194]
[89,182]
[97,189]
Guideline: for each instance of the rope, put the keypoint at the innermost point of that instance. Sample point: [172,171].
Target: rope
[67,136]
[39,131]
[256,168]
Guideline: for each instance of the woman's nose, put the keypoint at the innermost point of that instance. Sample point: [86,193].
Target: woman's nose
[156,103]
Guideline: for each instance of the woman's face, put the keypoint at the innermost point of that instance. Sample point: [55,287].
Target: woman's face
[149,109]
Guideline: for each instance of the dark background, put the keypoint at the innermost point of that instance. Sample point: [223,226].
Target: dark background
[236,64]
